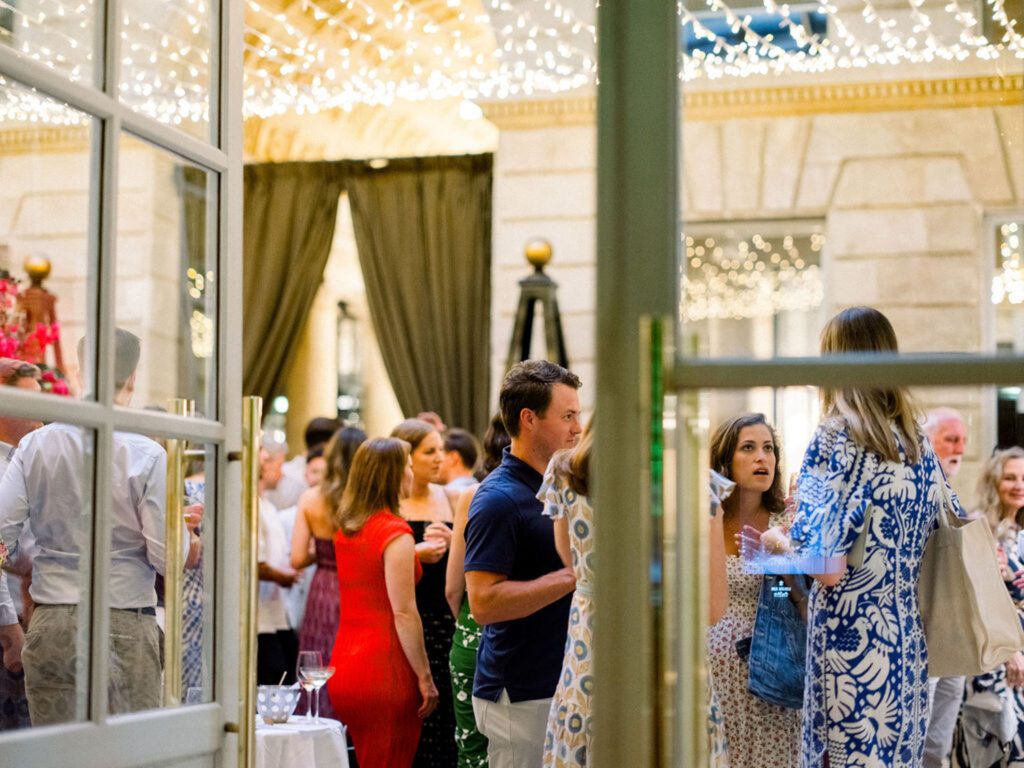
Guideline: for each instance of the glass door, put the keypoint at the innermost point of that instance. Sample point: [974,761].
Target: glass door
[120,250]
[761,169]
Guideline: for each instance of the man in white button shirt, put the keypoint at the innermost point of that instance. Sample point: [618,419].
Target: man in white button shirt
[277,645]
[48,484]
[13,706]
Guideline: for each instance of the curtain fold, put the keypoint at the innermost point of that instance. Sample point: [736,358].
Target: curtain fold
[290,211]
[423,233]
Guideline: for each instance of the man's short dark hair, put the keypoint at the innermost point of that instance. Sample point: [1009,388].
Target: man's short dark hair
[11,370]
[463,443]
[320,430]
[127,350]
[528,385]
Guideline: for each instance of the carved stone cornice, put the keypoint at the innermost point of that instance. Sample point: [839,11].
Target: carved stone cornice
[877,96]
[36,139]
[541,113]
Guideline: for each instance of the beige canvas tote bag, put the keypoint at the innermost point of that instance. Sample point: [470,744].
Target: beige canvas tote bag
[970,623]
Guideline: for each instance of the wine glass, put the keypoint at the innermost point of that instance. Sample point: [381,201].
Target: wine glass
[312,668]
[308,660]
[320,676]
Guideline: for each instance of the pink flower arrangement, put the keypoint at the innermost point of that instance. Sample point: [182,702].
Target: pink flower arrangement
[19,344]
[52,382]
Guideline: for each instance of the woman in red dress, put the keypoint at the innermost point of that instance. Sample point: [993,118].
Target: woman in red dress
[382,687]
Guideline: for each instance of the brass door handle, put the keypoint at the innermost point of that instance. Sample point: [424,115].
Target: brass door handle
[252,416]
[174,565]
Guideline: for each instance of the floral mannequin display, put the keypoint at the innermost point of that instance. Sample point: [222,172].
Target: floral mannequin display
[28,323]
[39,308]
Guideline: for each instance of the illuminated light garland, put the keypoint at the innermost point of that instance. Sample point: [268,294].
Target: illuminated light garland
[750,278]
[1008,283]
[416,51]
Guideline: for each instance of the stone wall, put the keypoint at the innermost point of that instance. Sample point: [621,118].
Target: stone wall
[903,192]
[45,204]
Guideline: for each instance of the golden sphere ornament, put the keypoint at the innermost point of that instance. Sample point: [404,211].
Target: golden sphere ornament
[538,252]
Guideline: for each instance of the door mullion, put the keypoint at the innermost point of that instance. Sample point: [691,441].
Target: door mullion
[105,265]
[227,126]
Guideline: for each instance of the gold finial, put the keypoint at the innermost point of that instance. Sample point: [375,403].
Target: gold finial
[538,252]
[37,268]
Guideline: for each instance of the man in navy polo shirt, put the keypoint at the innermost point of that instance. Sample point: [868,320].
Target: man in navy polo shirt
[517,586]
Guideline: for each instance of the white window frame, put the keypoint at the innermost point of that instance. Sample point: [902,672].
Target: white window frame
[194,735]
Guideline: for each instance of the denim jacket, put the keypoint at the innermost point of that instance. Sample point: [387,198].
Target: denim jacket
[778,647]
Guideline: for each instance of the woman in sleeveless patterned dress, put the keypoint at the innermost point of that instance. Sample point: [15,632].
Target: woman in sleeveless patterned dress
[567,743]
[756,734]
[313,541]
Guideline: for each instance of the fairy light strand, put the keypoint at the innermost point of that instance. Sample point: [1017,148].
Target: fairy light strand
[307,57]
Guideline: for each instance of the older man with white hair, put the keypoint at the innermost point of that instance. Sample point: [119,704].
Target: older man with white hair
[948,435]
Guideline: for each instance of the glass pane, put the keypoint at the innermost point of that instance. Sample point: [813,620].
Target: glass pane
[198,586]
[57,34]
[1008,281]
[865,642]
[46,521]
[796,205]
[167,281]
[45,191]
[165,62]
[140,660]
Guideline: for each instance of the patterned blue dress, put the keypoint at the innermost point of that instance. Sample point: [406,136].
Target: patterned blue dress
[192,608]
[866,695]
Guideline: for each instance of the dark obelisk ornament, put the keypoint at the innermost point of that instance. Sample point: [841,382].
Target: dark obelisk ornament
[537,287]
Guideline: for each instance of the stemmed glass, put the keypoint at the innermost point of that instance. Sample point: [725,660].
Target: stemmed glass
[312,676]
[308,660]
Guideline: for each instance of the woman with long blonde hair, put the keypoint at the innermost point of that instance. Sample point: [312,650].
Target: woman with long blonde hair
[1001,492]
[869,474]
[1001,502]
[382,687]
[313,542]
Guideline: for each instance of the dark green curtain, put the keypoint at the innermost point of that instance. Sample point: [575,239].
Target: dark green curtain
[289,214]
[423,231]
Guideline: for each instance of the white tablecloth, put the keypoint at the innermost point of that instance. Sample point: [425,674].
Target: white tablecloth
[298,744]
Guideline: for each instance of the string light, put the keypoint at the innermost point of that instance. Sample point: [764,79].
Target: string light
[745,278]
[319,54]
[1008,283]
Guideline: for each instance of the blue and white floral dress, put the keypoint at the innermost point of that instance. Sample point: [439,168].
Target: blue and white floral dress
[568,737]
[866,695]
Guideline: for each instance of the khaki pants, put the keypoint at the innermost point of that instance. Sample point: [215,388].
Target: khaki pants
[51,658]
[514,731]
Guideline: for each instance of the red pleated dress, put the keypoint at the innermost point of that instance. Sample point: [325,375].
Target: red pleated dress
[373,690]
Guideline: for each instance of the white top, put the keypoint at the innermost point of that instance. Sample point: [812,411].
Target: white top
[49,483]
[8,611]
[26,545]
[296,594]
[275,551]
[291,485]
